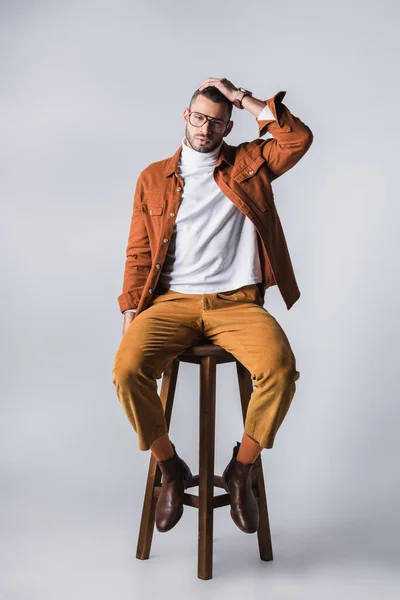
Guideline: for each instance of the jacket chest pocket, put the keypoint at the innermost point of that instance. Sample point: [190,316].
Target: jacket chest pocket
[154,203]
[251,181]
[156,210]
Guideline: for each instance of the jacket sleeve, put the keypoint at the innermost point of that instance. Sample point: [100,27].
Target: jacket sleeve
[291,137]
[138,257]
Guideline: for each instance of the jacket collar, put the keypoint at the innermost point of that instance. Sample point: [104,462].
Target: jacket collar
[226,154]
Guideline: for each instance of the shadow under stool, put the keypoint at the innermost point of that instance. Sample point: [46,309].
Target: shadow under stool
[208,356]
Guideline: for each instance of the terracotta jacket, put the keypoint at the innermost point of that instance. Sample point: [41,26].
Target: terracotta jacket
[244,173]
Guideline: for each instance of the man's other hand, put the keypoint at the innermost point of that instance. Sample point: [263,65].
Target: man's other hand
[128,318]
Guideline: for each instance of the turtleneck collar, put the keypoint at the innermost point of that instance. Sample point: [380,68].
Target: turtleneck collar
[191,157]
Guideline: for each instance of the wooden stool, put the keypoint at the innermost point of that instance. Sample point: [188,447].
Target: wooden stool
[207,355]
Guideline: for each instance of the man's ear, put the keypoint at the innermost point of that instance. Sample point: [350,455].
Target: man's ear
[229,128]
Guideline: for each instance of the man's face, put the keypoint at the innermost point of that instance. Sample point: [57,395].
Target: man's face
[205,138]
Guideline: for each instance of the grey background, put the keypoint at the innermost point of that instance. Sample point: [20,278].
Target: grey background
[92,92]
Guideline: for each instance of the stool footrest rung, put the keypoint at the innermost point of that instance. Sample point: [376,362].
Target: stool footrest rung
[194,500]
[195,481]
[217,501]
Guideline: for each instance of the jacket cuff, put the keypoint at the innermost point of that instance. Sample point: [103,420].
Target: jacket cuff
[274,104]
[130,299]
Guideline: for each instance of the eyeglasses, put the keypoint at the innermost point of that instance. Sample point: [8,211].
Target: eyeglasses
[198,119]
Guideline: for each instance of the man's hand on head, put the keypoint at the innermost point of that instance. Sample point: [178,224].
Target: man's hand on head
[225,86]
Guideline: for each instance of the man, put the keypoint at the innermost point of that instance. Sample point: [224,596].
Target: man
[205,243]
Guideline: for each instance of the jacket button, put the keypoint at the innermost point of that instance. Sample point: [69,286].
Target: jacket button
[251,172]
[158,266]
[165,240]
[178,189]
[171,214]
[150,290]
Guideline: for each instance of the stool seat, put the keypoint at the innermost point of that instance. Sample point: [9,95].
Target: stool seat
[206,349]
[208,356]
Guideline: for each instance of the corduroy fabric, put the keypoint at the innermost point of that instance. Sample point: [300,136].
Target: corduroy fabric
[235,320]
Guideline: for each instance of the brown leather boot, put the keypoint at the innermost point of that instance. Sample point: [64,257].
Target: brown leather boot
[236,479]
[175,478]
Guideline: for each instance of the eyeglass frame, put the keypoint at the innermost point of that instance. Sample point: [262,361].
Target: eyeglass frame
[208,119]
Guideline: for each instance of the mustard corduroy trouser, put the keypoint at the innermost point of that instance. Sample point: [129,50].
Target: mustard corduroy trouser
[235,320]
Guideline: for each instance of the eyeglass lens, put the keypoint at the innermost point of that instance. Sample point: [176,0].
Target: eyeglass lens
[197,119]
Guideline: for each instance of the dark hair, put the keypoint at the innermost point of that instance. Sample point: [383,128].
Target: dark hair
[213,93]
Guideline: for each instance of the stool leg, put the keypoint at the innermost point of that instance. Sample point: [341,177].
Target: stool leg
[206,466]
[263,532]
[167,394]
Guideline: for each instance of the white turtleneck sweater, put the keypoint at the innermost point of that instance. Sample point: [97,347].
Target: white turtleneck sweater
[213,246]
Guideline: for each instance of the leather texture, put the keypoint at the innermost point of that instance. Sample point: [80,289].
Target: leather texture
[237,480]
[176,476]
